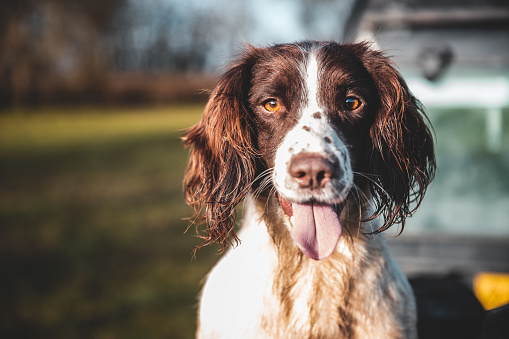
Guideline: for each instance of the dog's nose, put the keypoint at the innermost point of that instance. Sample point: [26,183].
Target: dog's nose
[311,170]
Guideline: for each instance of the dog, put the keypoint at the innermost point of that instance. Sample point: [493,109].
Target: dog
[327,147]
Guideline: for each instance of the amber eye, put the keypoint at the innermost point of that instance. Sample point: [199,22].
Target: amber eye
[352,103]
[272,105]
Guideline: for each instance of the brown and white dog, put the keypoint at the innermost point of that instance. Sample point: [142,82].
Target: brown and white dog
[319,139]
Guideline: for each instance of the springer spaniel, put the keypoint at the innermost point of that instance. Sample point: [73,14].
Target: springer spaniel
[319,139]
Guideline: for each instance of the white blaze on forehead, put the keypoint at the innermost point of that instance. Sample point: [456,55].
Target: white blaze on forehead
[311,131]
[311,83]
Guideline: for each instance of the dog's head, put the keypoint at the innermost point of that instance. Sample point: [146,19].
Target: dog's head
[315,121]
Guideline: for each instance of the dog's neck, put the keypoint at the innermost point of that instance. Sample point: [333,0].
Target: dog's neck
[301,280]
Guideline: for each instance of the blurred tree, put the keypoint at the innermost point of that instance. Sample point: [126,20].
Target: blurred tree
[175,36]
[63,49]
[52,46]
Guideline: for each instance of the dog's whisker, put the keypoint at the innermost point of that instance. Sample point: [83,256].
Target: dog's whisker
[264,179]
[372,180]
[272,192]
[262,187]
[359,207]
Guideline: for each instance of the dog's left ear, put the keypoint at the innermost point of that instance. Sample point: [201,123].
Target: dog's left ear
[221,164]
[402,157]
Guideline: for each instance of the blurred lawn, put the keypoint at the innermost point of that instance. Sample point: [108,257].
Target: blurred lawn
[91,229]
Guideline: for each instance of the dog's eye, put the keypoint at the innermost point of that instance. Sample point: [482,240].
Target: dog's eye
[352,103]
[272,105]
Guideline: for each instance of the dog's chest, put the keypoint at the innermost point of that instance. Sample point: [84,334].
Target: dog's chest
[263,299]
[309,301]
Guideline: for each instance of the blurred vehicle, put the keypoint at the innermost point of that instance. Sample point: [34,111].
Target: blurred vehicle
[455,58]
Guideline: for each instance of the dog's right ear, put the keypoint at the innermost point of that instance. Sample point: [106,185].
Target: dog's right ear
[221,164]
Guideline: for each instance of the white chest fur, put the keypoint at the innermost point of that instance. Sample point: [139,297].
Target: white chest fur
[255,293]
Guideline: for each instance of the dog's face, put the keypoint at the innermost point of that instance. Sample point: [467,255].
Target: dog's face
[311,111]
[322,118]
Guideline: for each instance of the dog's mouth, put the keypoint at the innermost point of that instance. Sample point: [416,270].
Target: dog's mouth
[315,226]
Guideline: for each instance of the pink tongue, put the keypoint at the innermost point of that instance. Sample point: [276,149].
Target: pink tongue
[316,229]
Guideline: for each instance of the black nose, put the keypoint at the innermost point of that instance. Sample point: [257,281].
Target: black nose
[311,170]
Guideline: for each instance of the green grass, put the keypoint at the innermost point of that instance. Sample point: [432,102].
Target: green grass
[92,241]
[50,128]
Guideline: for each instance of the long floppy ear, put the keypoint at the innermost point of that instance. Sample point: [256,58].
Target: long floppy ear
[221,164]
[402,157]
